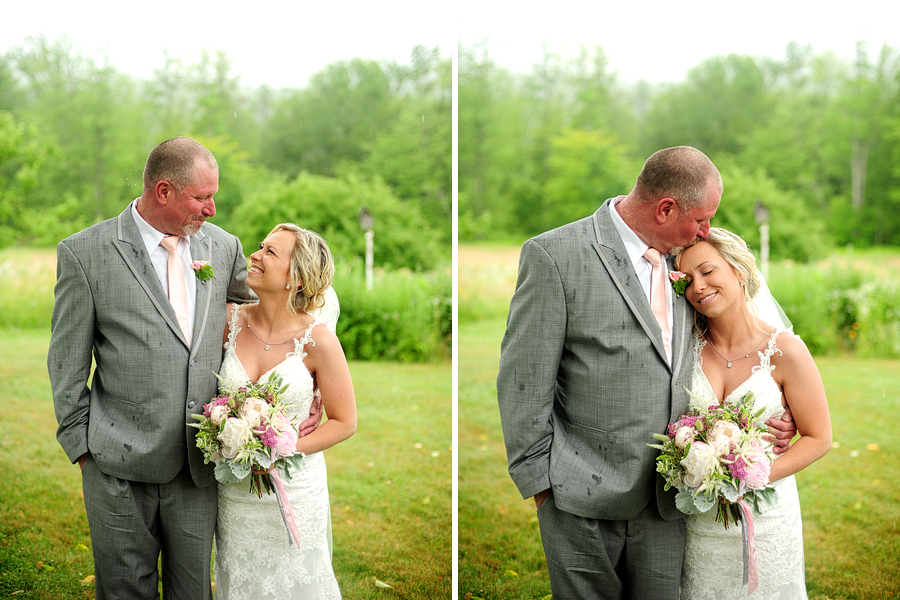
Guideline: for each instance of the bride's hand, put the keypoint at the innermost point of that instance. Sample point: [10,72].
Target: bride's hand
[782,431]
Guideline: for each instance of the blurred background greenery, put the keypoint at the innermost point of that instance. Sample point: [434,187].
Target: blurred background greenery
[74,135]
[811,136]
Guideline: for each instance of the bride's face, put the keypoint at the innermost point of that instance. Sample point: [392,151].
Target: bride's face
[715,285]
[270,265]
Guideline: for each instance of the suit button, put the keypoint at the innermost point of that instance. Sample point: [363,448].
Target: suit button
[191,404]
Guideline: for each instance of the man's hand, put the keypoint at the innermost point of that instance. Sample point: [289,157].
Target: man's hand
[315,416]
[783,431]
[81,460]
[540,497]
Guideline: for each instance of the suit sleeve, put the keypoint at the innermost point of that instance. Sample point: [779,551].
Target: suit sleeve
[238,292]
[529,362]
[69,356]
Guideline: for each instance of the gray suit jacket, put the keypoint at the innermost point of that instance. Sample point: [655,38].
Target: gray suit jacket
[584,379]
[110,305]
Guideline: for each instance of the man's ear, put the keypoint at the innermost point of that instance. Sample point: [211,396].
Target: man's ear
[164,191]
[665,209]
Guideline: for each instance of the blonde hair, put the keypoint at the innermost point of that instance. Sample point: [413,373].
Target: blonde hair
[737,254]
[311,270]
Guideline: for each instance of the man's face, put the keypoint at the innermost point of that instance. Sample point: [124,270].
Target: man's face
[684,228]
[187,210]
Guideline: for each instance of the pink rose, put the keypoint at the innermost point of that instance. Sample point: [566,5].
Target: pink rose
[199,264]
[218,414]
[286,442]
[758,466]
[684,436]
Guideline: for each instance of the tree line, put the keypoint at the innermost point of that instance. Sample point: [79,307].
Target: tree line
[810,137]
[74,134]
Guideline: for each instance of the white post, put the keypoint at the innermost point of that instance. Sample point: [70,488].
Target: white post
[764,249]
[370,260]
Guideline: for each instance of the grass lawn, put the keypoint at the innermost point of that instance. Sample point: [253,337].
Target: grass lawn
[850,499]
[390,484]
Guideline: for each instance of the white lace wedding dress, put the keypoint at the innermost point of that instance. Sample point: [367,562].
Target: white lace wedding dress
[713,559]
[253,559]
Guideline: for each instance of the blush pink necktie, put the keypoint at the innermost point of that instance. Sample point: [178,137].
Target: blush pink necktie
[658,293]
[177,288]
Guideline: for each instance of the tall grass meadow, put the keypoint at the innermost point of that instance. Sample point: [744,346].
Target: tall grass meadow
[405,317]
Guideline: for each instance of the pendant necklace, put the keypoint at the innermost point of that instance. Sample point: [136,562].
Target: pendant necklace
[728,361]
[268,343]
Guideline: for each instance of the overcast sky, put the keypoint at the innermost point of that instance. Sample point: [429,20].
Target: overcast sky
[661,40]
[275,42]
[281,43]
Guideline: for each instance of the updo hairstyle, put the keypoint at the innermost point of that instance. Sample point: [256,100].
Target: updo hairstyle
[311,271]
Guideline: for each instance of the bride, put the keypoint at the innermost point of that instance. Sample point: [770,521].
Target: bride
[291,274]
[737,351]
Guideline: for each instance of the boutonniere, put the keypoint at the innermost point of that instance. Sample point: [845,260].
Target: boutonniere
[680,281]
[203,270]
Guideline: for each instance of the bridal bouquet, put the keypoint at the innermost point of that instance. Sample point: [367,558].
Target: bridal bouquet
[249,429]
[716,457]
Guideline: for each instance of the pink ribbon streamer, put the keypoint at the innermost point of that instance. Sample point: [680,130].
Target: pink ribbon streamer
[751,577]
[287,514]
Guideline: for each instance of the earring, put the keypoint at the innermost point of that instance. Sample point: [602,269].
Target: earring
[742,283]
[288,286]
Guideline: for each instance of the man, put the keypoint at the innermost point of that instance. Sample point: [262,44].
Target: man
[588,372]
[146,489]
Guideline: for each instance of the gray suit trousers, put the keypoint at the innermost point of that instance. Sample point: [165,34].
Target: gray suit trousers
[594,559]
[132,522]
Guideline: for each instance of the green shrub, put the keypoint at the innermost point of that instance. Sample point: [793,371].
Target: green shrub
[405,317]
[330,207]
[870,316]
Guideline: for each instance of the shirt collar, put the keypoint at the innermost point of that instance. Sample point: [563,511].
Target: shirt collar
[151,236]
[634,246]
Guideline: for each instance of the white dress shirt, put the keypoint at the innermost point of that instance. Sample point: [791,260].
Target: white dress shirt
[159,256]
[635,247]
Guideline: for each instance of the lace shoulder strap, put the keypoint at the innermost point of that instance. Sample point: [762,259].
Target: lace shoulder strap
[300,344]
[765,356]
[699,343]
[233,328]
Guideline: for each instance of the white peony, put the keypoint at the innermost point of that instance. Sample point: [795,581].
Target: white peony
[699,463]
[234,435]
[724,436]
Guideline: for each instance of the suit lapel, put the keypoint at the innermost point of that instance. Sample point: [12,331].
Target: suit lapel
[611,250]
[201,249]
[682,331]
[131,246]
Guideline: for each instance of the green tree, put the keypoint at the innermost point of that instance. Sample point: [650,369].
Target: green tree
[722,99]
[795,232]
[586,168]
[346,106]
[414,155]
[330,206]
[88,112]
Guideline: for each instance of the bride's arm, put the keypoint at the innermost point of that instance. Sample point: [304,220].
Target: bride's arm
[804,393]
[328,364]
